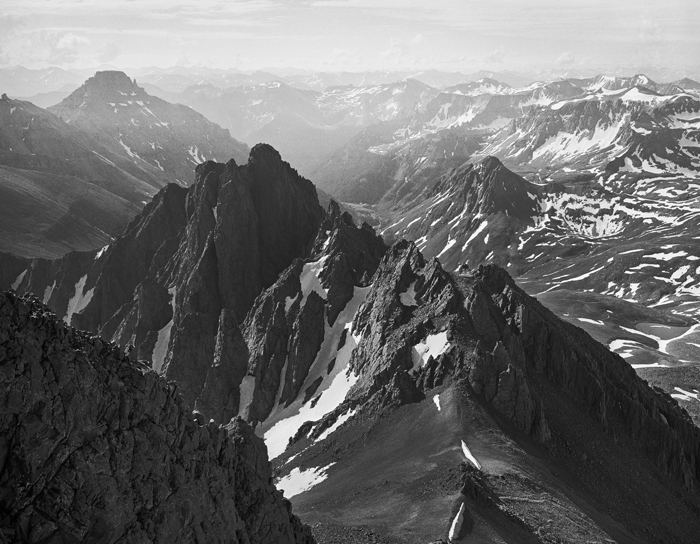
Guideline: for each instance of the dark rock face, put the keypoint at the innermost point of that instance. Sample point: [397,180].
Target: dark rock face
[568,358]
[289,321]
[508,348]
[391,324]
[354,255]
[95,448]
[197,258]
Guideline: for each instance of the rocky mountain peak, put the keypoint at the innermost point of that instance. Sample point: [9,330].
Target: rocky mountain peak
[155,137]
[489,164]
[109,84]
[265,154]
[488,188]
[112,79]
[491,81]
[688,84]
[198,258]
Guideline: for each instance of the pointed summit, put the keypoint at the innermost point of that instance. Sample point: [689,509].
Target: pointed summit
[488,188]
[104,87]
[472,215]
[156,137]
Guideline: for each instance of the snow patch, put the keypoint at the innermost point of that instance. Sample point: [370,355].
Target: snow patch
[592,321]
[457,523]
[79,300]
[128,149]
[408,297]
[48,292]
[163,340]
[468,454]
[436,400]
[277,437]
[685,395]
[105,159]
[101,252]
[341,419]
[289,301]
[433,346]
[298,481]
[450,243]
[18,280]
[476,233]
[309,279]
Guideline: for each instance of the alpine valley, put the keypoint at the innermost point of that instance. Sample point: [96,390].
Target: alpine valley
[487,333]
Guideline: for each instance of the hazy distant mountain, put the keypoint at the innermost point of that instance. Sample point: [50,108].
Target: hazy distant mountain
[307,126]
[19,81]
[178,79]
[74,178]
[688,85]
[60,189]
[165,140]
[390,160]
[626,132]
[46,100]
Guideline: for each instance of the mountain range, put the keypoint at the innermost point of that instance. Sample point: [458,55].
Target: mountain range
[504,352]
[469,410]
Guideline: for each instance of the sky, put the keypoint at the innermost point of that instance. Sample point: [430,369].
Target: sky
[353,35]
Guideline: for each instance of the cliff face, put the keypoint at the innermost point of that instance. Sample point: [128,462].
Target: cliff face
[95,448]
[290,322]
[182,277]
[511,350]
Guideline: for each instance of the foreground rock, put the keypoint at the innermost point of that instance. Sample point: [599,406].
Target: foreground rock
[94,448]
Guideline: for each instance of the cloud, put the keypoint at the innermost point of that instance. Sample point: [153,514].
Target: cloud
[417,39]
[566,59]
[109,52]
[71,42]
[497,55]
[37,47]
[396,49]
[9,26]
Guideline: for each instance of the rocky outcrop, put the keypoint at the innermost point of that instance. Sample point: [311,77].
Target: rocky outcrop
[288,323]
[538,347]
[197,258]
[410,299]
[95,448]
[353,257]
